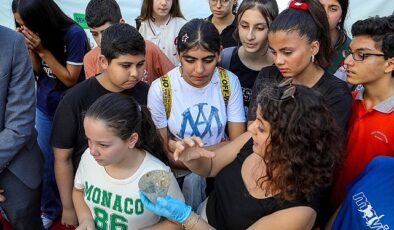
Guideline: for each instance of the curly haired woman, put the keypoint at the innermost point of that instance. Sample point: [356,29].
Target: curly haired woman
[275,178]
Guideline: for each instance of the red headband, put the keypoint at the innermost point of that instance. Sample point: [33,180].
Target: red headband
[299,5]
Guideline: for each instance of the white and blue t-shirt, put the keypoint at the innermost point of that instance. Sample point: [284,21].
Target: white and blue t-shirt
[197,111]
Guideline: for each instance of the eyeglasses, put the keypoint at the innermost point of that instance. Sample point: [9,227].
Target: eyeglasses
[222,2]
[358,55]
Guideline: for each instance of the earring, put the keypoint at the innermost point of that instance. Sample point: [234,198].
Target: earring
[313,58]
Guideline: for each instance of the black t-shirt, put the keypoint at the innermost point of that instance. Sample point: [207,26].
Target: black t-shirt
[67,130]
[230,206]
[246,77]
[334,90]
[226,37]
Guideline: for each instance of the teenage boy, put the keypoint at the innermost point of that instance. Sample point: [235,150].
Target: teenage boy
[370,62]
[100,14]
[123,64]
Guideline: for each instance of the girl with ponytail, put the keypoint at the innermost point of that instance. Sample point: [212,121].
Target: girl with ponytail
[123,146]
[300,45]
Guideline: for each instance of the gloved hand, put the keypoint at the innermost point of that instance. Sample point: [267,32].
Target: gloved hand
[168,207]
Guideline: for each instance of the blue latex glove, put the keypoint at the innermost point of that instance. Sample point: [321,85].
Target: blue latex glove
[168,207]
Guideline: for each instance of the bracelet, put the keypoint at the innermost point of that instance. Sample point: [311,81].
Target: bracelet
[187,225]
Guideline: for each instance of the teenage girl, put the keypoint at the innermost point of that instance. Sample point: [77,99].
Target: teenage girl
[161,21]
[123,146]
[223,18]
[336,11]
[196,102]
[254,18]
[299,42]
[57,46]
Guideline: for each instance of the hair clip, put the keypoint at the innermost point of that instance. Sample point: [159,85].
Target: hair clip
[288,93]
[299,5]
[185,37]
[285,82]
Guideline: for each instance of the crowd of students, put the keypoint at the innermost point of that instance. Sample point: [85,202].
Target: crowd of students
[267,120]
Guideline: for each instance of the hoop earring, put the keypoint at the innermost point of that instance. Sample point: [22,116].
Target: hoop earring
[313,58]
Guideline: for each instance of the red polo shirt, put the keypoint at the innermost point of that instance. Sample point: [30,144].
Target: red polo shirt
[371,133]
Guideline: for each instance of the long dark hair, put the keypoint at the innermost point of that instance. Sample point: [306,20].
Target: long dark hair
[147,10]
[311,24]
[125,116]
[341,25]
[48,20]
[304,151]
[267,8]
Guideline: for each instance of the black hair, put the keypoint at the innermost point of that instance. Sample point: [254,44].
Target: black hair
[48,20]
[99,12]
[341,25]
[303,152]
[198,32]
[125,116]
[119,39]
[381,30]
[268,9]
[311,24]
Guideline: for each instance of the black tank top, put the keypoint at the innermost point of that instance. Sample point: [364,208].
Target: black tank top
[231,207]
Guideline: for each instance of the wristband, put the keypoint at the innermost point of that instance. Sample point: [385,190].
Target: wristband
[191,221]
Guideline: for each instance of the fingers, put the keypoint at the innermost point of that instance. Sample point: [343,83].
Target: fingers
[187,142]
[32,39]
[207,153]
[162,201]
[145,200]
[196,140]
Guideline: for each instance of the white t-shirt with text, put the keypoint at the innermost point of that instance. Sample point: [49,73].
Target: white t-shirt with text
[116,204]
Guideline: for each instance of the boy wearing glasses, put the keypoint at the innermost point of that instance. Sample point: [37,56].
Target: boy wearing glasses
[370,62]
[223,18]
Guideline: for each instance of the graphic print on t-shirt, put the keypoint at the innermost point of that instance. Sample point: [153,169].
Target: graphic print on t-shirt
[199,119]
[372,219]
[120,206]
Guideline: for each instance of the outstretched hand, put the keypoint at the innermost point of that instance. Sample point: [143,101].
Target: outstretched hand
[191,148]
[168,207]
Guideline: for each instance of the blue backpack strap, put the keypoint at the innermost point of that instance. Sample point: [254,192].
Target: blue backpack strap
[226,57]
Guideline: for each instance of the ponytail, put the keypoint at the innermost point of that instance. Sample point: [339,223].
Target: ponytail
[150,140]
[310,22]
[125,116]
